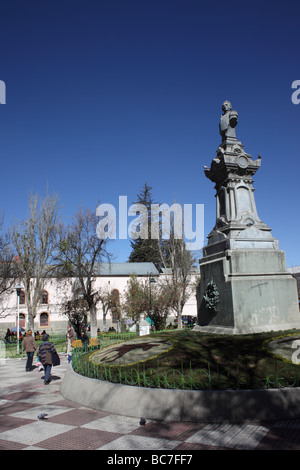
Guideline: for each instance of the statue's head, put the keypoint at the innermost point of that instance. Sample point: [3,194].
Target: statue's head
[226,106]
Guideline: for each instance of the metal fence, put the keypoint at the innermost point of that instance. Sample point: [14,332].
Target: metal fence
[10,349]
[187,378]
[183,378]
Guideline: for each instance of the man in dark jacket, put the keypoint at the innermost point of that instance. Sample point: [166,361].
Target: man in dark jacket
[44,353]
[84,339]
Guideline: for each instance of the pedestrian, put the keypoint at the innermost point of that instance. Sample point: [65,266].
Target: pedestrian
[84,339]
[44,353]
[29,345]
[70,338]
[7,336]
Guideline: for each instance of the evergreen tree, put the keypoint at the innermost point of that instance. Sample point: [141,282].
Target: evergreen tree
[145,250]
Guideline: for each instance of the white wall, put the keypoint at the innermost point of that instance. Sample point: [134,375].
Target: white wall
[60,292]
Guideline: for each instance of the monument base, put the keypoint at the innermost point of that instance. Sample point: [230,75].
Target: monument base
[255,293]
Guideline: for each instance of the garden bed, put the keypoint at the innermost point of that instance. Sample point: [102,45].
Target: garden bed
[201,361]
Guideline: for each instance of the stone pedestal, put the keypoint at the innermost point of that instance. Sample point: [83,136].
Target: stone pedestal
[256,293]
[245,286]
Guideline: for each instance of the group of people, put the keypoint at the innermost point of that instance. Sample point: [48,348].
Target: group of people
[11,336]
[45,353]
[46,350]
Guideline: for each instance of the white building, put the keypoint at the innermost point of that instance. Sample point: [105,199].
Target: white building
[49,315]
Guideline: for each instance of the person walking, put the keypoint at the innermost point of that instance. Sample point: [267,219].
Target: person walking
[45,351]
[29,345]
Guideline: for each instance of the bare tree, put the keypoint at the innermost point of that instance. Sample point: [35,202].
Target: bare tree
[105,298]
[178,265]
[141,298]
[76,311]
[136,299]
[79,255]
[33,240]
[6,261]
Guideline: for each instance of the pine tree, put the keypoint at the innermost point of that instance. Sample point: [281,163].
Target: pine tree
[145,250]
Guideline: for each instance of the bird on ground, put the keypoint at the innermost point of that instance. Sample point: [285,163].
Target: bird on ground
[142,421]
[42,416]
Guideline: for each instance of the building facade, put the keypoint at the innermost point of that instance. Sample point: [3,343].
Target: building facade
[57,292]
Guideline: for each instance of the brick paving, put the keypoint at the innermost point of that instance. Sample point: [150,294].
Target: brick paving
[71,426]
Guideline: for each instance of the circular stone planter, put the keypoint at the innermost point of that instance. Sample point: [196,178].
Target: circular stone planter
[182,405]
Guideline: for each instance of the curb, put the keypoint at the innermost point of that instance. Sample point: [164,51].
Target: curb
[213,406]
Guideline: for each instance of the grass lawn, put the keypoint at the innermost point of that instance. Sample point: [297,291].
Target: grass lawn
[233,361]
[210,361]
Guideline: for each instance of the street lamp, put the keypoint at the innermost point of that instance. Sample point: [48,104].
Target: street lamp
[18,290]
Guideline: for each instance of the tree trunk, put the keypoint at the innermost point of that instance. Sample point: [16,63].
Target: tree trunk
[31,317]
[93,321]
[179,316]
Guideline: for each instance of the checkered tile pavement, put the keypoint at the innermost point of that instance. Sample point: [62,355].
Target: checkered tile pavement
[70,426]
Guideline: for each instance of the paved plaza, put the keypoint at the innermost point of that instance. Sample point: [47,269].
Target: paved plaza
[71,426]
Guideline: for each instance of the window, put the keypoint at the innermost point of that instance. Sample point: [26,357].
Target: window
[22,320]
[22,298]
[44,297]
[78,293]
[44,319]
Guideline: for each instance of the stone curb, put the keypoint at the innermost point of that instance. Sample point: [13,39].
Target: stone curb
[182,405]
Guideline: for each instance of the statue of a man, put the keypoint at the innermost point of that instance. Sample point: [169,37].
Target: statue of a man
[229,120]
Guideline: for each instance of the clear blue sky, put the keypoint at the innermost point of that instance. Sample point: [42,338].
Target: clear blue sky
[104,95]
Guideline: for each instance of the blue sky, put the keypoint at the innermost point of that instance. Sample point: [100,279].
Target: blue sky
[104,95]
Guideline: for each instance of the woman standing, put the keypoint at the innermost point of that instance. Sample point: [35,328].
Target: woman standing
[29,346]
[44,353]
